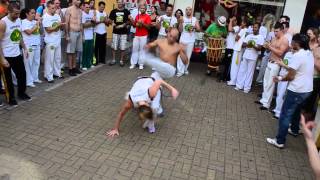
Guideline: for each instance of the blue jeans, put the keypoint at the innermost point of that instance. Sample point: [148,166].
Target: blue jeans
[290,113]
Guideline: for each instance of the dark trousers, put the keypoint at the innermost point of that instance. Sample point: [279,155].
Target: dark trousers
[17,66]
[310,105]
[100,48]
[224,67]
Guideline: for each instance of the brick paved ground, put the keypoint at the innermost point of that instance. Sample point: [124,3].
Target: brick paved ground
[210,132]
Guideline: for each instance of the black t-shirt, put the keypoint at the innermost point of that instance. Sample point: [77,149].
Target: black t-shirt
[120,17]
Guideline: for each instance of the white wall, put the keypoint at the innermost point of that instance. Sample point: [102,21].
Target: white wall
[181,4]
[295,9]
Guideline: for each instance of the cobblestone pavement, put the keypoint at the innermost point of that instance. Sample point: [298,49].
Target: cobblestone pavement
[210,132]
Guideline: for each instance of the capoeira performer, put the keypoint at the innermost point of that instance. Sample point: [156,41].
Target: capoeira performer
[187,25]
[237,53]
[253,43]
[278,47]
[169,49]
[282,85]
[52,25]
[144,96]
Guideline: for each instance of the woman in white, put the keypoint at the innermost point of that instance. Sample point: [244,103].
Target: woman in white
[31,37]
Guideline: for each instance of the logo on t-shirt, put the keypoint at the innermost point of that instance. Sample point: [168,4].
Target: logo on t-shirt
[16,35]
[119,18]
[55,25]
[251,43]
[166,24]
[37,31]
[188,27]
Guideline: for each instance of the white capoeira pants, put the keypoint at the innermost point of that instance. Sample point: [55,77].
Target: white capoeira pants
[263,66]
[268,84]
[52,64]
[137,50]
[245,74]
[32,64]
[181,67]
[162,69]
[235,64]
[281,92]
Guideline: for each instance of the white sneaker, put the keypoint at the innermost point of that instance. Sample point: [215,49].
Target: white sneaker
[84,69]
[92,66]
[179,74]
[37,81]
[186,73]
[151,127]
[292,133]
[132,67]
[229,83]
[145,124]
[140,67]
[236,88]
[246,91]
[273,141]
[31,85]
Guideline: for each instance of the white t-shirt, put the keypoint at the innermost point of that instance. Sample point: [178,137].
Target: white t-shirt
[140,91]
[231,38]
[251,53]
[50,21]
[101,27]
[88,32]
[171,20]
[133,13]
[289,37]
[238,44]
[186,36]
[34,38]
[303,63]
[12,37]
[263,31]
[286,60]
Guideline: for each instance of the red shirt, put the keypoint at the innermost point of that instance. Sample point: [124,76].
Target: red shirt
[146,19]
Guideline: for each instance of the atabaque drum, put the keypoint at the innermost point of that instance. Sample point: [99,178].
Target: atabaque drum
[215,48]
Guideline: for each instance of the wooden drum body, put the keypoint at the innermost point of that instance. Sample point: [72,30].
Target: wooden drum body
[215,52]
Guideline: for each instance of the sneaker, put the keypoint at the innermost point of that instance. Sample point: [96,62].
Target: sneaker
[179,74]
[246,91]
[1,103]
[275,143]
[237,89]
[140,67]
[262,108]
[121,63]
[13,103]
[292,133]
[229,83]
[113,62]
[84,69]
[161,115]
[37,81]
[25,97]
[132,66]
[151,127]
[186,73]
[92,66]
[50,81]
[72,73]
[275,117]
[77,71]
[31,85]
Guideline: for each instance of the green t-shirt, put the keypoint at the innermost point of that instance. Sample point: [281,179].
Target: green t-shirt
[215,30]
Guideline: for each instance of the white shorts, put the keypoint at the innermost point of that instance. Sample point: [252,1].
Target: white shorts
[119,40]
[75,43]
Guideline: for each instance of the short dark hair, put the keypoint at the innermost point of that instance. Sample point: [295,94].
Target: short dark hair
[12,6]
[278,26]
[302,40]
[145,112]
[170,5]
[285,17]
[24,12]
[86,2]
[155,7]
[285,24]
[101,2]
[50,3]
[179,10]
[256,23]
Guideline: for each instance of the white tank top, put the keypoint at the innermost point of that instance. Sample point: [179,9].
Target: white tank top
[10,42]
[186,36]
[140,90]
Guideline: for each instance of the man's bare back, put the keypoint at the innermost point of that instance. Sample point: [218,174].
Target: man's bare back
[280,43]
[74,14]
[168,52]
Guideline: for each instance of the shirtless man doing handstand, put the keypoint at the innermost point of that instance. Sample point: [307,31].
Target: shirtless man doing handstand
[169,50]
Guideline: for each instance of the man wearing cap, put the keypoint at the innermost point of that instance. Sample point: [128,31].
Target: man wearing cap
[217,29]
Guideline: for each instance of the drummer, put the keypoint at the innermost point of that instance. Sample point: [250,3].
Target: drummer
[218,28]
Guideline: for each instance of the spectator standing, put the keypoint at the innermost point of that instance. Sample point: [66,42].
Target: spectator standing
[153,30]
[142,24]
[187,25]
[101,34]
[163,7]
[11,58]
[300,75]
[52,25]
[73,36]
[120,19]
[88,22]
[31,36]
[166,21]
[252,43]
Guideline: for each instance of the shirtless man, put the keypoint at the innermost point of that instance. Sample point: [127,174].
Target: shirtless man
[278,47]
[169,50]
[73,35]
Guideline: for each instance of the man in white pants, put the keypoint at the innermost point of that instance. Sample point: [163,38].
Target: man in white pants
[278,47]
[282,85]
[169,49]
[52,24]
[253,43]
[187,25]
[237,54]
[142,23]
